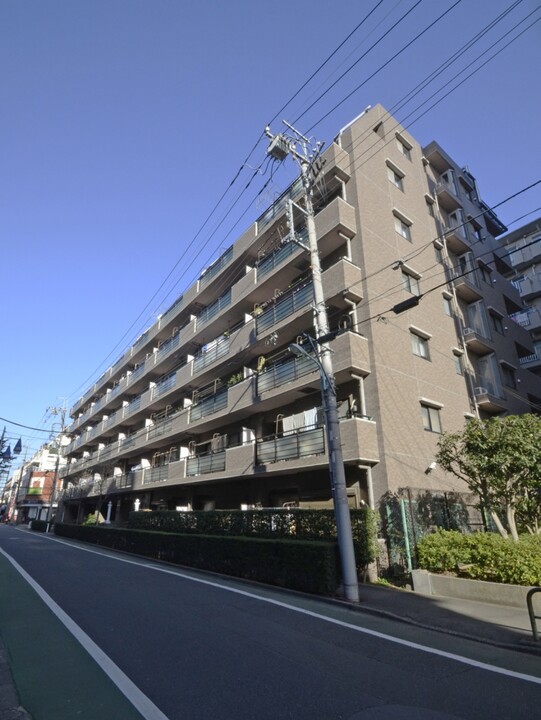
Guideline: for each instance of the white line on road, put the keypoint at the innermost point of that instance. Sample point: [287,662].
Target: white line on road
[310,613]
[139,700]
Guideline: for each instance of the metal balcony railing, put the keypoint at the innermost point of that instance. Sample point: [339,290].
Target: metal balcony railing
[216,267]
[297,444]
[287,305]
[214,351]
[212,462]
[209,405]
[284,372]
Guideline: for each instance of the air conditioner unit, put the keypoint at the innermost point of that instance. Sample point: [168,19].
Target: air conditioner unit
[480,391]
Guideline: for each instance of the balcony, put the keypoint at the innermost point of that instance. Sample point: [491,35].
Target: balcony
[216,268]
[344,280]
[284,372]
[477,343]
[334,224]
[297,299]
[297,444]
[212,462]
[531,362]
[466,283]
[530,286]
[457,239]
[447,196]
[210,353]
[487,400]
[213,310]
[208,405]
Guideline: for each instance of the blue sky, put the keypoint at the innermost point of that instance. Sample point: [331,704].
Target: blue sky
[123,122]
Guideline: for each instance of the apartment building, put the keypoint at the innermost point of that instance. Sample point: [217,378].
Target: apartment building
[210,408]
[523,247]
[29,492]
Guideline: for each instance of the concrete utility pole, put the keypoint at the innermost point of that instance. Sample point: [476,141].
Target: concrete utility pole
[62,412]
[279,147]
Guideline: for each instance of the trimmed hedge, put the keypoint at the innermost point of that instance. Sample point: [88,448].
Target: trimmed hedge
[300,565]
[287,524]
[39,525]
[482,556]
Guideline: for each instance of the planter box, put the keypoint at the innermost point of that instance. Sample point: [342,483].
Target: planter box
[496,593]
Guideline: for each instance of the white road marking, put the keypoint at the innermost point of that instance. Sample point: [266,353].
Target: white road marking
[366,631]
[139,700]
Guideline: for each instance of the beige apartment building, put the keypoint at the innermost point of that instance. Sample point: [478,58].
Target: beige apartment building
[210,408]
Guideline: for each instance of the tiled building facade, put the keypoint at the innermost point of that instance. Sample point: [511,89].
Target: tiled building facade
[210,409]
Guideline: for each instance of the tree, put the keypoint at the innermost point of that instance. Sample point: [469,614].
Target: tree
[500,461]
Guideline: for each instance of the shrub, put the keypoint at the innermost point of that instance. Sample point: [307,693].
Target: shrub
[39,525]
[486,556]
[307,566]
[287,524]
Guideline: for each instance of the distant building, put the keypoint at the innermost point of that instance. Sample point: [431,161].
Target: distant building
[523,248]
[210,409]
[30,488]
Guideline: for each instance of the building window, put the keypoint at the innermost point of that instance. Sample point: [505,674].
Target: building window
[476,232]
[430,206]
[402,227]
[419,345]
[410,283]
[497,323]
[403,147]
[459,362]
[438,254]
[509,377]
[431,418]
[486,273]
[447,306]
[395,176]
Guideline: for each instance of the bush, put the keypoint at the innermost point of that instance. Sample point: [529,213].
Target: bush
[307,566]
[486,556]
[39,525]
[287,524]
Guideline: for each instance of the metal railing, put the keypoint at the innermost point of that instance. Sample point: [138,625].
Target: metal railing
[214,308]
[297,444]
[212,462]
[216,267]
[209,405]
[284,307]
[217,349]
[284,372]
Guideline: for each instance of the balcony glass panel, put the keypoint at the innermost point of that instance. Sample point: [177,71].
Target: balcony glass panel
[167,347]
[209,405]
[216,267]
[300,443]
[211,352]
[157,474]
[277,209]
[213,462]
[216,307]
[164,385]
[286,306]
[139,370]
[268,263]
[133,406]
[170,310]
[284,372]
[111,420]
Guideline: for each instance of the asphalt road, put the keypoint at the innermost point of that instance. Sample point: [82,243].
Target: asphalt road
[200,647]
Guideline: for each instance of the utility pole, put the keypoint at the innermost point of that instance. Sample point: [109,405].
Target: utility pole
[62,412]
[308,160]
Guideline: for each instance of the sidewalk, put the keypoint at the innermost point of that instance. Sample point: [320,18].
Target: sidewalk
[498,625]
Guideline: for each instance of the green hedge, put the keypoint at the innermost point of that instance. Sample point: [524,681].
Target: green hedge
[483,556]
[308,566]
[286,524]
[39,525]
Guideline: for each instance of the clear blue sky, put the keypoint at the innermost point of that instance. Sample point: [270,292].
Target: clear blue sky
[123,121]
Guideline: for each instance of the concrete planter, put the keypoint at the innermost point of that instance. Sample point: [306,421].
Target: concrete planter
[428,583]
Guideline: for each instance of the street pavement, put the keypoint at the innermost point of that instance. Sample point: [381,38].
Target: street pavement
[485,631]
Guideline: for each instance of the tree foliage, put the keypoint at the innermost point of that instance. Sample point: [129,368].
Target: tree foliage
[500,460]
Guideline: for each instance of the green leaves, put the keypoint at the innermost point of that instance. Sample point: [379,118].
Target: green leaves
[500,460]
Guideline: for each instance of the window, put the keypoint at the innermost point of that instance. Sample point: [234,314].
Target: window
[403,147]
[402,226]
[419,345]
[486,273]
[447,306]
[509,377]
[431,418]
[395,178]
[459,361]
[476,232]
[410,283]
[497,323]
[438,254]
[430,206]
